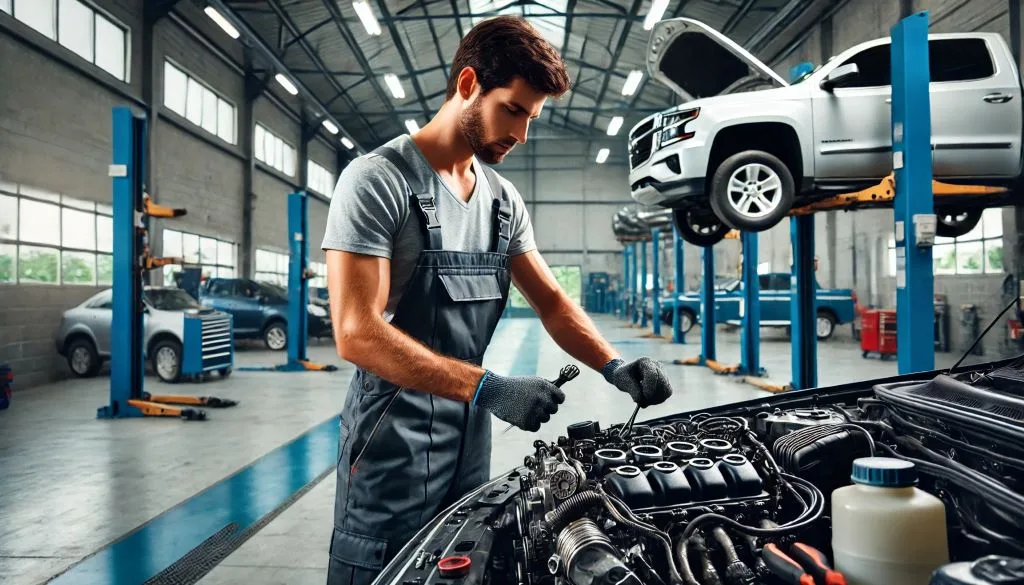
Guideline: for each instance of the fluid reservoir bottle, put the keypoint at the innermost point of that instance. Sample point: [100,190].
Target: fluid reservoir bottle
[884,529]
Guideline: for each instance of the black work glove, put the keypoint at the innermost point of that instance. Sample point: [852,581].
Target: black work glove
[643,379]
[524,401]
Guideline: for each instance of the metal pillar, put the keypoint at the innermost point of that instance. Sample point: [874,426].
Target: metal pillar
[298,285]
[913,205]
[677,334]
[707,305]
[127,362]
[634,290]
[750,318]
[643,285]
[803,307]
[656,301]
[623,288]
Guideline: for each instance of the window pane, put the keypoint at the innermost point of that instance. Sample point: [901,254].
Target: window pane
[190,248]
[993,256]
[37,265]
[110,47]
[282,264]
[40,222]
[968,257]
[175,88]
[993,221]
[264,261]
[209,111]
[78,203]
[38,14]
[8,254]
[959,60]
[8,217]
[225,254]
[194,104]
[169,272]
[6,187]
[289,161]
[40,194]
[5,5]
[78,229]
[172,243]
[268,148]
[101,208]
[104,233]
[974,234]
[78,268]
[944,259]
[76,28]
[226,121]
[278,160]
[258,136]
[223,272]
[105,269]
[207,251]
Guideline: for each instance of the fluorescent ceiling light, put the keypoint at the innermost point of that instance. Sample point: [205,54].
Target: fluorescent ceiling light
[221,21]
[395,85]
[632,82]
[365,14]
[286,84]
[658,8]
[412,126]
[330,127]
[614,125]
[602,155]
[348,143]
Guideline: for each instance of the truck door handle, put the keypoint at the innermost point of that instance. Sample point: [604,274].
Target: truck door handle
[888,100]
[997,98]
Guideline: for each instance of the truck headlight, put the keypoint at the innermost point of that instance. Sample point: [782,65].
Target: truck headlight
[673,126]
[316,310]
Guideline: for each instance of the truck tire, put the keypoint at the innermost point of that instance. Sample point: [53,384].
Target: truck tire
[752,191]
[825,325]
[699,227]
[953,223]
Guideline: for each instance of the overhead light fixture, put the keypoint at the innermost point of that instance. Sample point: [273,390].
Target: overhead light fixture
[286,83]
[632,82]
[412,126]
[330,127]
[348,143]
[614,125]
[602,155]
[221,21]
[365,14]
[658,8]
[395,86]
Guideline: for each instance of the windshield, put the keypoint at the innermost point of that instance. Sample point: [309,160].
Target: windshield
[171,299]
[272,290]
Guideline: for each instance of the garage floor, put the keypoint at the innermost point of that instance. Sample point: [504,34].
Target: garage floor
[98,501]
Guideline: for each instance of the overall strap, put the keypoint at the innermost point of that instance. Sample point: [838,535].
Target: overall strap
[423,200]
[502,213]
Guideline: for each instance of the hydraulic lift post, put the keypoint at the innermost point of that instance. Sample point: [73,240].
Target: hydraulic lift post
[634,274]
[643,285]
[678,288]
[623,289]
[913,204]
[803,307]
[750,319]
[656,290]
[707,306]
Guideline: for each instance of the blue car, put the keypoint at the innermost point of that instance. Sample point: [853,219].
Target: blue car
[835,306]
[260,310]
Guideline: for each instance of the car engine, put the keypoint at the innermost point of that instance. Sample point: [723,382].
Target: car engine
[717,497]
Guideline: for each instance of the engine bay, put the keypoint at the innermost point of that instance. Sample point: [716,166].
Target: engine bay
[818,488]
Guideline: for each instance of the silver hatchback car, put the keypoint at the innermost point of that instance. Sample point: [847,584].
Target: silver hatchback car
[83,336]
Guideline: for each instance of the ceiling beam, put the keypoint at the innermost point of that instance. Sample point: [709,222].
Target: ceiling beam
[737,17]
[617,54]
[406,62]
[437,43]
[676,13]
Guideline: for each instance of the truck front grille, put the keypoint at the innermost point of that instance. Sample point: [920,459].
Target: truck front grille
[641,143]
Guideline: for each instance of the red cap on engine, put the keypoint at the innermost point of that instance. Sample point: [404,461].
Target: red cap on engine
[454,566]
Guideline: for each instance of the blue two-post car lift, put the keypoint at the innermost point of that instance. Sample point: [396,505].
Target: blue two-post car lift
[131,260]
[911,191]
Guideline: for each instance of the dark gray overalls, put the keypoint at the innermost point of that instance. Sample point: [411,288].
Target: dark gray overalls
[405,454]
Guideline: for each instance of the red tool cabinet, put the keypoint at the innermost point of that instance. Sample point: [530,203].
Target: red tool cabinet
[878,332]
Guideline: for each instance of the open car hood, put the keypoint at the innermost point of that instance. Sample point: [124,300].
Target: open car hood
[696,61]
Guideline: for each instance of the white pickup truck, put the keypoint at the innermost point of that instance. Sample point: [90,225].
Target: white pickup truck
[746,146]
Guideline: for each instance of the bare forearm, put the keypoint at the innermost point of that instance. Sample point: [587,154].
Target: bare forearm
[388,352]
[574,331]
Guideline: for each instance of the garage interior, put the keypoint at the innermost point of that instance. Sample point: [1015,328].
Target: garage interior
[247,102]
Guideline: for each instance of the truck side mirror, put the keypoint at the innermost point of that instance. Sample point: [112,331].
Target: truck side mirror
[839,75]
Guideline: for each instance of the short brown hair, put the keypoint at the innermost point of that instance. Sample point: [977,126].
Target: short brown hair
[502,48]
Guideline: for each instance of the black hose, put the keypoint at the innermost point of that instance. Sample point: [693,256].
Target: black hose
[572,508]
[709,576]
[683,560]
[627,518]
[736,571]
[1004,459]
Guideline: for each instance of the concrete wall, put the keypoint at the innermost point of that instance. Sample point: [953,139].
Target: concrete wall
[55,134]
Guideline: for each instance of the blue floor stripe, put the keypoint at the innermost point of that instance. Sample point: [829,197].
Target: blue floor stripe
[243,498]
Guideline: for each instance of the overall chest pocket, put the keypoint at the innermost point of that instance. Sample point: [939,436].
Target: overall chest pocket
[468,287]
[470,305]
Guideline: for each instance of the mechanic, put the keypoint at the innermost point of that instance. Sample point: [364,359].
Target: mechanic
[422,242]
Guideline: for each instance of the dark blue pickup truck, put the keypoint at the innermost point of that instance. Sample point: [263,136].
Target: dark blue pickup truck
[835,306]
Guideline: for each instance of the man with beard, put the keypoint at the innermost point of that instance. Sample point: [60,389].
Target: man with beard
[422,243]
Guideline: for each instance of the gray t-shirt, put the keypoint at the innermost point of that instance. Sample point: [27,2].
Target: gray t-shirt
[371,213]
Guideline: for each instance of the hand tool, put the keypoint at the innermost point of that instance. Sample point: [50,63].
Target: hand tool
[628,427]
[816,564]
[567,373]
[784,567]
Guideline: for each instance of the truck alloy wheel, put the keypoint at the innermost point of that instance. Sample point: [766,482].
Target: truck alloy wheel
[699,227]
[953,223]
[752,191]
[825,325]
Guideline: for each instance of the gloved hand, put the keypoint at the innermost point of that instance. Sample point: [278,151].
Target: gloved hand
[643,379]
[524,401]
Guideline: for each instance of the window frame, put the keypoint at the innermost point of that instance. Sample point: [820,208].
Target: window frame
[203,87]
[169,270]
[280,277]
[956,242]
[276,152]
[888,44]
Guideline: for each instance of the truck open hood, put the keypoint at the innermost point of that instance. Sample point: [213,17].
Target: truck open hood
[696,61]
